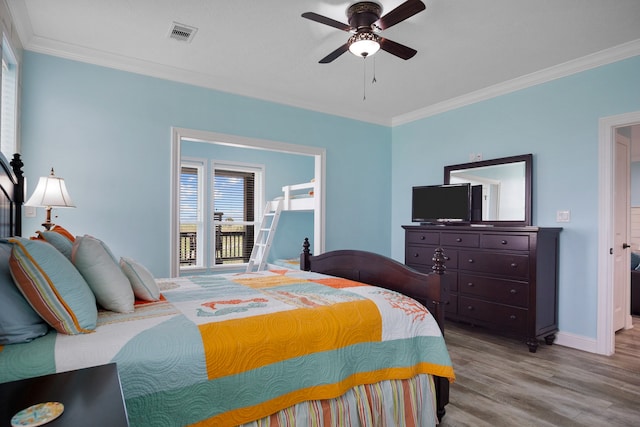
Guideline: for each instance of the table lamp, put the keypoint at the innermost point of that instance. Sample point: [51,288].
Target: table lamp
[51,192]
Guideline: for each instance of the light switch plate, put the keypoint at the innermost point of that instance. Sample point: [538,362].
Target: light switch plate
[30,211]
[563,216]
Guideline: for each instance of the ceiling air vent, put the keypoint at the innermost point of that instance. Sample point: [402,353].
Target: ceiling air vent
[181,32]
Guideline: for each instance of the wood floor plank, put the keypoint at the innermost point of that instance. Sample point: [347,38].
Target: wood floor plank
[500,383]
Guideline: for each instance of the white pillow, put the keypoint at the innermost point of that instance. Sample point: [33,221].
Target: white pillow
[142,282]
[98,266]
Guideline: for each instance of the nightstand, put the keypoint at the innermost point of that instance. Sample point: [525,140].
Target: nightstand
[91,396]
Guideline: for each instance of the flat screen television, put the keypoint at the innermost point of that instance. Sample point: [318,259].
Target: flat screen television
[441,204]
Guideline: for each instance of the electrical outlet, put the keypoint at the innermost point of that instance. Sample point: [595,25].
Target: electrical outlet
[475,157]
[563,216]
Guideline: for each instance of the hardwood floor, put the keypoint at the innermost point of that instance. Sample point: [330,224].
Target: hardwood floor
[500,383]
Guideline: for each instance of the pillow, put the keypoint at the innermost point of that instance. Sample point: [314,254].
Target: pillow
[142,282]
[52,285]
[58,229]
[18,321]
[58,241]
[635,260]
[98,266]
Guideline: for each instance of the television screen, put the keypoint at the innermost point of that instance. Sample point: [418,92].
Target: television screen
[441,203]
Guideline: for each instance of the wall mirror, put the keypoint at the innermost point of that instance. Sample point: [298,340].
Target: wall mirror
[502,188]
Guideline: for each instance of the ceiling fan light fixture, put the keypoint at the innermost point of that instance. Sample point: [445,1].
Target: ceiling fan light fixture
[364,44]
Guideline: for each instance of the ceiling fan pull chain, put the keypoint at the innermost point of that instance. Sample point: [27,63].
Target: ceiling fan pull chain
[364,78]
[374,71]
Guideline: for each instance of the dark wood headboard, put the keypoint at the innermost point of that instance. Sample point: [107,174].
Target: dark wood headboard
[11,196]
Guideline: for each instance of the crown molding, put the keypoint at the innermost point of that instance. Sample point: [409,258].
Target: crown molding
[603,57]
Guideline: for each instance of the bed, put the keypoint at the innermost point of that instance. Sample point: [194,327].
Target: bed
[265,348]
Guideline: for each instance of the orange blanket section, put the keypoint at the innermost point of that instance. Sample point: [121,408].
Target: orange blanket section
[239,345]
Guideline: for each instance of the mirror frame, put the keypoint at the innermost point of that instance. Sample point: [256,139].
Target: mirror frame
[528,164]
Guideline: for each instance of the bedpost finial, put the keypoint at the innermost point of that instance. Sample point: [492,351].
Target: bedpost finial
[438,261]
[305,262]
[16,164]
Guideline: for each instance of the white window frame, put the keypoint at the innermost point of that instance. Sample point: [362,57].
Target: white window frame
[9,64]
[258,204]
[201,225]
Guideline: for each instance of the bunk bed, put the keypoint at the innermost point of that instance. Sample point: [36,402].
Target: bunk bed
[248,348]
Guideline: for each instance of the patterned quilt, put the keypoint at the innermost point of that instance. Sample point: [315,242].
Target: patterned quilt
[228,349]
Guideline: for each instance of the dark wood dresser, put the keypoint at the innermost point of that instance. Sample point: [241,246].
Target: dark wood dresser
[501,278]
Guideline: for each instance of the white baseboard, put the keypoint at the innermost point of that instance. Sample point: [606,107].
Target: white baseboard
[578,342]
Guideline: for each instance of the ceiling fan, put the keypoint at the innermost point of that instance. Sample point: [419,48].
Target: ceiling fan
[365,23]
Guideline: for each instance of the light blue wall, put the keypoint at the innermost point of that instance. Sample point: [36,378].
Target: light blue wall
[558,123]
[107,133]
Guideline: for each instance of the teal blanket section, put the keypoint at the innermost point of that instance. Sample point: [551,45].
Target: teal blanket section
[209,289]
[148,362]
[239,391]
[33,359]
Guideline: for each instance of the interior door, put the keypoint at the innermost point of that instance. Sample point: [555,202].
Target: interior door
[621,229]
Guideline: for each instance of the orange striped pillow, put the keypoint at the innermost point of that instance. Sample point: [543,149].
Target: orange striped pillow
[53,286]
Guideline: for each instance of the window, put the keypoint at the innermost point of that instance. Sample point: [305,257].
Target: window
[8,101]
[234,212]
[227,209]
[191,243]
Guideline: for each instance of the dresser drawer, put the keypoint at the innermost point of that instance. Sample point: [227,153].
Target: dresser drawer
[460,239]
[423,238]
[515,242]
[501,291]
[509,265]
[423,255]
[504,317]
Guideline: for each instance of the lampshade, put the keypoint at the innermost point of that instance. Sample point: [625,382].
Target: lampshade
[364,44]
[50,192]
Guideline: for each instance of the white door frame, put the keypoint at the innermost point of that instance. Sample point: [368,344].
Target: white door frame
[605,336]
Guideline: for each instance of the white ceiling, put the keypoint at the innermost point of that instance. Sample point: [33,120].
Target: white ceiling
[467,49]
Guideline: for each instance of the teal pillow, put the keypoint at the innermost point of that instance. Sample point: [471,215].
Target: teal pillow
[98,266]
[52,286]
[18,321]
[58,241]
[142,281]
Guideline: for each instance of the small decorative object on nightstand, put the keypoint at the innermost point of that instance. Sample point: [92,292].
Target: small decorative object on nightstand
[51,192]
[84,397]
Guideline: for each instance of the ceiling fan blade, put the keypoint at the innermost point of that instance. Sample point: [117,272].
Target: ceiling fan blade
[397,49]
[400,13]
[327,21]
[336,53]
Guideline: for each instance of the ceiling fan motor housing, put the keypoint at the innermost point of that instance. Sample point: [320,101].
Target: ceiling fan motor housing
[362,15]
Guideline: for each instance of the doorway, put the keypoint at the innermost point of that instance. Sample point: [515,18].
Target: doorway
[605,335]
[178,134]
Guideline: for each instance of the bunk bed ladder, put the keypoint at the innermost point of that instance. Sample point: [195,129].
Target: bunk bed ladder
[267,229]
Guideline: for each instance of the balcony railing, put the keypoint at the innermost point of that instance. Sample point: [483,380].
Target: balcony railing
[232,247]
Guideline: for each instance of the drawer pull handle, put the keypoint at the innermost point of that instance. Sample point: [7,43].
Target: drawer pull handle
[470,308]
[514,265]
[513,291]
[446,258]
[512,317]
[422,237]
[504,242]
[458,240]
[416,255]
[470,260]
[470,284]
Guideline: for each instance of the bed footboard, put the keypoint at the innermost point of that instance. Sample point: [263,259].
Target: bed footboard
[378,270]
